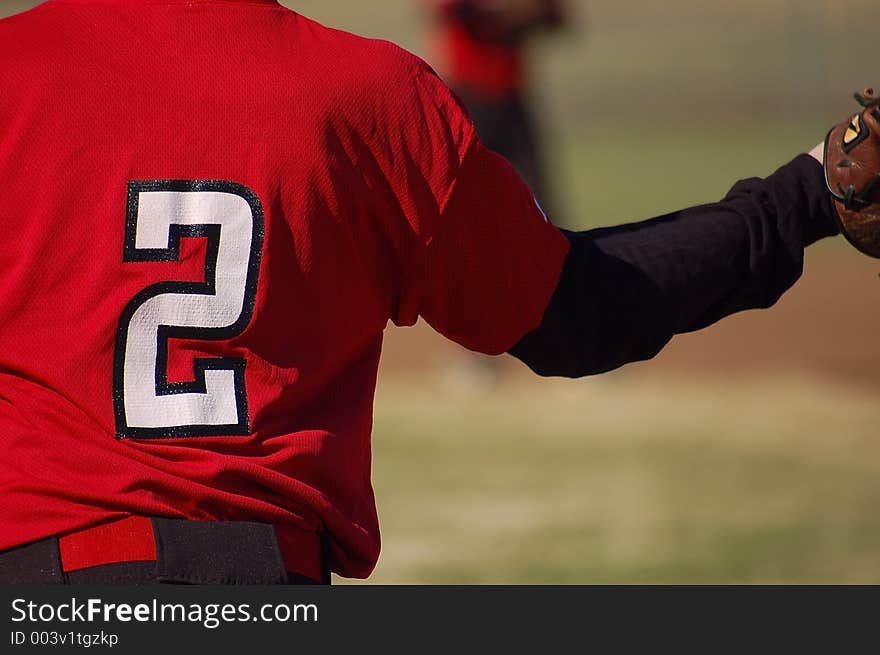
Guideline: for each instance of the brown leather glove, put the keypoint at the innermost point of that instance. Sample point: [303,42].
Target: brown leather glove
[852,173]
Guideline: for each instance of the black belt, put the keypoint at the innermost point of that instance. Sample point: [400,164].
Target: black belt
[141,549]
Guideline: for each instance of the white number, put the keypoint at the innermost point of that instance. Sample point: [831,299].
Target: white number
[230,216]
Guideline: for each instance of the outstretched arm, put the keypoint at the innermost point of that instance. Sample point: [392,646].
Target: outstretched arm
[626,291]
[480,262]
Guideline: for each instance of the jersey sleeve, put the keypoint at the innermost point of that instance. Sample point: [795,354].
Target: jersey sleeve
[484,260]
[495,259]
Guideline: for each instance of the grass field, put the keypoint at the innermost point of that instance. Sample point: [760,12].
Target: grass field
[749,453]
[620,481]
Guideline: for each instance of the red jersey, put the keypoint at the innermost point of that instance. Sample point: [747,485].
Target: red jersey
[209,213]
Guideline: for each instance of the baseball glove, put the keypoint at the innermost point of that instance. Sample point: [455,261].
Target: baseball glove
[852,173]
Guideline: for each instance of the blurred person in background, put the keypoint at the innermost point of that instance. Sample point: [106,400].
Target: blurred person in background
[482,46]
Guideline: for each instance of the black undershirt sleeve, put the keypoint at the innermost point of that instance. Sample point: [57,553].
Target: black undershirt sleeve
[625,291]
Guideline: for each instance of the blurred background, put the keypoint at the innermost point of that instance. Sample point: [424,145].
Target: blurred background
[748,453]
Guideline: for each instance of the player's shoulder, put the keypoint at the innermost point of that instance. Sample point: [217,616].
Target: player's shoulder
[24,45]
[32,18]
[350,57]
[24,22]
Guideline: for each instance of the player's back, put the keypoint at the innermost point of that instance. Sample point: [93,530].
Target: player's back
[198,241]
[210,210]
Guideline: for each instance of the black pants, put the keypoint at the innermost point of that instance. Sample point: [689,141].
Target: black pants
[187,552]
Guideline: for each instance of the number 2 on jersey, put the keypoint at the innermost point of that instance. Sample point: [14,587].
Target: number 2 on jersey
[159,214]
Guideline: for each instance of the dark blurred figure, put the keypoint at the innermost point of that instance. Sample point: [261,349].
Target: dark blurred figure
[483,48]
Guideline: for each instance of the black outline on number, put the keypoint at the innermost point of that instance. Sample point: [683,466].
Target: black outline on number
[165,332]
